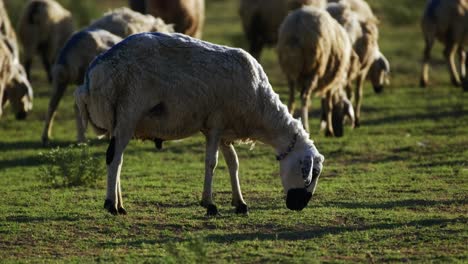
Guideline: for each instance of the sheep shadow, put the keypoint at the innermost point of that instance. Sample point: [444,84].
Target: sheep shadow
[423,116]
[319,232]
[410,203]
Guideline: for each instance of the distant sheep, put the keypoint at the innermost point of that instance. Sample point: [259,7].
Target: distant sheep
[446,21]
[188,16]
[314,53]
[70,67]
[144,87]
[261,20]
[124,22]
[14,85]
[44,27]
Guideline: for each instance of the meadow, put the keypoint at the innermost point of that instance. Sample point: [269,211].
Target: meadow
[393,190]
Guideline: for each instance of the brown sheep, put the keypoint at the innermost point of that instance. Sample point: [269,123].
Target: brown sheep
[44,27]
[446,21]
[188,16]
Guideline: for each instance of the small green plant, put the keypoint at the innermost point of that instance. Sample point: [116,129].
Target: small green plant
[70,166]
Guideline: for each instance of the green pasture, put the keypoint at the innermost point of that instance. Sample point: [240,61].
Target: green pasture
[393,190]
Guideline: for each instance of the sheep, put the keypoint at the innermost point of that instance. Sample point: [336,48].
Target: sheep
[44,27]
[81,49]
[70,67]
[5,26]
[123,22]
[314,53]
[14,85]
[261,20]
[446,21]
[379,72]
[360,7]
[146,87]
[364,37]
[188,16]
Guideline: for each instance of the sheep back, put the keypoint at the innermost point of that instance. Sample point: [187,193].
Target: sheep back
[312,43]
[195,85]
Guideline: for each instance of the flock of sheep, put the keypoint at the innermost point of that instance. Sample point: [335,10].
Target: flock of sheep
[139,79]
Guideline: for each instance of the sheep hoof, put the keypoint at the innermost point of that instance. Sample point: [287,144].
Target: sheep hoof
[158,143]
[465,85]
[357,123]
[422,83]
[242,209]
[45,141]
[212,210]
[110,207]
[455,82]
[122,211]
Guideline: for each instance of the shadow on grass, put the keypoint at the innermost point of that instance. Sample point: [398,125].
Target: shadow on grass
[395,204]
[318,232]
[410,117]
[43,219]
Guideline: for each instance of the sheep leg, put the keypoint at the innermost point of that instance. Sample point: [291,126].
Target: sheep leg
[47,66]
[462,56]
[57,95]
[114,159]
[80,128]
[27,67]
[309,84]
[465,79]
[449,53]
[328,110]
[291,96]
[358,99]
[211,160]
[425,64]
[230,156]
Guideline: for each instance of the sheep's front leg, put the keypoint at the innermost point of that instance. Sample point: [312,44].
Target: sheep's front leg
[308,85]
[114,159]
[211,160]
[57,94]
[358,99]
[328,110]
[230,156]
[80,127]
[450,52]
[292,92]
[462,55]
[425,63]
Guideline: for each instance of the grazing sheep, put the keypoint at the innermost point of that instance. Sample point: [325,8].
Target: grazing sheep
[14,85]
[446,21]
[188,16]
[44,27]
[146,87]
[379,72]
[261,20]
[364,37]
[314,53]
[70,67]
[124,22]
[5,25]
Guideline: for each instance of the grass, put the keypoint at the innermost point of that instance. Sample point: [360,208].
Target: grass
[394,190]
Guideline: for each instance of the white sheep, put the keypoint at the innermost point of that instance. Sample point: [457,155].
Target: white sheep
[314,53]
[446,21]
[70,67]
[14,85]
[44,28]
[261,20]
[124,22]
[154,85]
[6,28]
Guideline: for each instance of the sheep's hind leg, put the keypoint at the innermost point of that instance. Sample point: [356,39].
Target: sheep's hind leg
[114,159]
[358,99]
[57,95]
[211,160]
[292,92]
[449,53]
[230,156]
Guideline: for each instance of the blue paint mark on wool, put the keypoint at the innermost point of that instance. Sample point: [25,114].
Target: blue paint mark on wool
[432,7]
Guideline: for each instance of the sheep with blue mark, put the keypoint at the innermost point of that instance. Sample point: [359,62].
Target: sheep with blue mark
[44,28]
[154,85]
[261,20]
[70,67]
[315,55]
[446,21]
[124,22]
